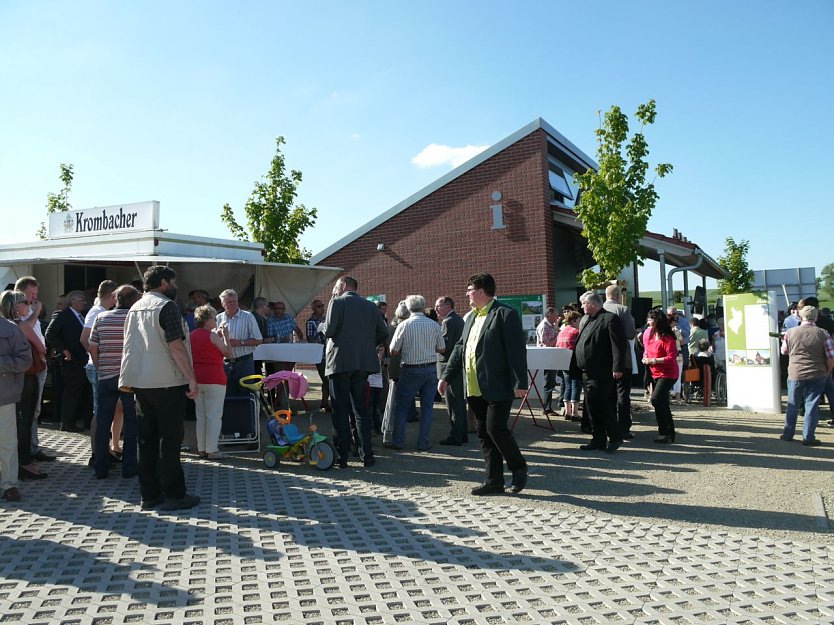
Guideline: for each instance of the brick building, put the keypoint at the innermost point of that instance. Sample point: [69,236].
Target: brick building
[507,211]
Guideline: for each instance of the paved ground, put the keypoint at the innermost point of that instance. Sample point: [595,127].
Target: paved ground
[405,543]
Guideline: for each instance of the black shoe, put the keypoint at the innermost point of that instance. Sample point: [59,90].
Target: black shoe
[43,457]
[70,428]
[187,501]
[628,436]
[811,442]
[519,481]
[665,440]
[392,446]
[488,489]
[450,441]
[613,446]
[369,462]
[414,420]
[130,473]
[25,474]
[342,464]
[101,476]
[783,437]
[424,448]
[586,430]
[150,504]
[591,447]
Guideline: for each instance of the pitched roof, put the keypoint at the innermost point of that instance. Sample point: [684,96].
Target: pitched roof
[565,147]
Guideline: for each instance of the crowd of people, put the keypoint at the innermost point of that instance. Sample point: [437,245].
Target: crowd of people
[126,367]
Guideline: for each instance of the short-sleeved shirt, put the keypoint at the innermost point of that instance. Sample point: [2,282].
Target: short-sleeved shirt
[171,322]
[241,327]
[92,314]
[418,338]
[109,334]
[280,327]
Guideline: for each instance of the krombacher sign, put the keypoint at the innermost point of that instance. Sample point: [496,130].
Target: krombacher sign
[105,220]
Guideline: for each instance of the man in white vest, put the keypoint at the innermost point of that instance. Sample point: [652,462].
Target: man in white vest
[156,365]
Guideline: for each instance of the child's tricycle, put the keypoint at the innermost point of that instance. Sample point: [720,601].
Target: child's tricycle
[287,440]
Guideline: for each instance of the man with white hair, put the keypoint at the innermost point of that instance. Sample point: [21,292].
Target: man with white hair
[811,359]
[240,328]
[417,340]
[600,358]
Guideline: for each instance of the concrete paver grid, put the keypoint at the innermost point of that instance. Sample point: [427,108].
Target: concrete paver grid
[315,547]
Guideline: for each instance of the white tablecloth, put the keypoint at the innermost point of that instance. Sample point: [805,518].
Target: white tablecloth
[309,353]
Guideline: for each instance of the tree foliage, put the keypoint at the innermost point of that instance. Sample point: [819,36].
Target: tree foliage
[58,202]
[734,262]
[272,216]
[615,203]
[825,282]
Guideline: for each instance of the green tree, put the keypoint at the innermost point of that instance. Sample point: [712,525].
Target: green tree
[825,282]
[734,262]
[678,297]
[272,216]
[615,203]
[58,202]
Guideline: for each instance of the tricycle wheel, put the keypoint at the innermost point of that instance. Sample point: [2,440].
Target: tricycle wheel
[322,455]
[271,459]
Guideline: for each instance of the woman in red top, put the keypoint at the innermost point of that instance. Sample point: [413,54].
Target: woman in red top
[661,357]
[207,351]
[572,387]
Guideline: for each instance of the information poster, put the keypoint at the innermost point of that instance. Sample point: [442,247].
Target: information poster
[747,324]
[531,310]
[752,353]
[376,299]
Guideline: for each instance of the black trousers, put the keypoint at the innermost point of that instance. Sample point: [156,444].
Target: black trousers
[662,410]
[25,410]
[455,406]
[600,402]
[77,399]
[497,441]
[348,391]
[160,413]
[624,402]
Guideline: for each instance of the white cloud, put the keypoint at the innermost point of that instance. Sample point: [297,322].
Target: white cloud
[433,155]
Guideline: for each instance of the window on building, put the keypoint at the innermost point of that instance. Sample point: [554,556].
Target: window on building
[564,190]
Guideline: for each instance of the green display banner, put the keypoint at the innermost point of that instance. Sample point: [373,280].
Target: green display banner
[376,299]
[531,310]
[747,325]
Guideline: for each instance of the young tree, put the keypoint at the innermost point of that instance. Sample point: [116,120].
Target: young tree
[825,282]
[272,216]
[615,203]
[734,262]
[58,202]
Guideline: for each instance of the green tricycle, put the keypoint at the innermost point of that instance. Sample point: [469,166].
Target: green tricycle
[287,441]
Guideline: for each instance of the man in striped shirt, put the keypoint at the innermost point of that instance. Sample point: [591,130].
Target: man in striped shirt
[241,329]
[418,340]
[106,341]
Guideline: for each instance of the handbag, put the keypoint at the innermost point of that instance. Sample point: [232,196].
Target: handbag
[692,375]
[38,363]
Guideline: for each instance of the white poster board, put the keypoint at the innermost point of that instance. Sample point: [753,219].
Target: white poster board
[752,354]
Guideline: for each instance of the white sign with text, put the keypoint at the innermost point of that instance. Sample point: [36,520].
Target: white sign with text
[105,220]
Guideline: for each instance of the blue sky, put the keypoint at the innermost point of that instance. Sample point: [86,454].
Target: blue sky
[181,101]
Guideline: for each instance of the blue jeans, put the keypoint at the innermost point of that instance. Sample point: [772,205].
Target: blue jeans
[549,387]
[108,394]
[809,391]
[92,377]
[414,380]
[572,388]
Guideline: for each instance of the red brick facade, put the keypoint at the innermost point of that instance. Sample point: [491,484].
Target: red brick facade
[434,245]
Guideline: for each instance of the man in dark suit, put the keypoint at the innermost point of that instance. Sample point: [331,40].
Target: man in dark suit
[64,336]
[600,357]
[491,357]
[451,327]
[354,329]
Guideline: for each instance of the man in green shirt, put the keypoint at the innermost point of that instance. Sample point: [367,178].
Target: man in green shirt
[491,355]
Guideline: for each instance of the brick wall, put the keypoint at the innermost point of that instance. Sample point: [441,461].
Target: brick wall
[434,245]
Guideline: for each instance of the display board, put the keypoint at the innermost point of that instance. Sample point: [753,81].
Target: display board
[531,310]
[752,354]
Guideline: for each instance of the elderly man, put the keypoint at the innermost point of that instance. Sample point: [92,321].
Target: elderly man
[811,359]
[451,327]
[156,367]
[600,358]
[15,358]
[417,340]
[355,329]
[64,336]
[240,329]
[28,285]
[106,342]
[613,304]
[491,356]
[546,334]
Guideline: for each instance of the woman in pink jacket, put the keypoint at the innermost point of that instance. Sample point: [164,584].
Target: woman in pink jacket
[661,357]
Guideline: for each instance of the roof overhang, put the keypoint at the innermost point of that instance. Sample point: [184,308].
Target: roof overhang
[676,252]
